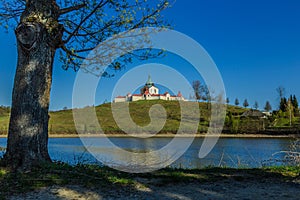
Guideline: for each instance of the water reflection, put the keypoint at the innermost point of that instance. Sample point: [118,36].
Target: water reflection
[231,152]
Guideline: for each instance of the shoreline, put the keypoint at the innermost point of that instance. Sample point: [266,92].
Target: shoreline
[167,136]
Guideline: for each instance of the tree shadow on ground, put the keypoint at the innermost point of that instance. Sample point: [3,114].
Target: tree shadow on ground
[64,182]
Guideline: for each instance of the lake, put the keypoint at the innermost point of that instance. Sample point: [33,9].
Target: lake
[231,152]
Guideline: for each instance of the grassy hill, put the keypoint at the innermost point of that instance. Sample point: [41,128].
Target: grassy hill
[61,122]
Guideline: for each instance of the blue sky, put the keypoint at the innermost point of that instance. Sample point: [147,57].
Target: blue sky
[255,45]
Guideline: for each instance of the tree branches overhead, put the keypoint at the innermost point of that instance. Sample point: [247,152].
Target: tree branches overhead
[89,22]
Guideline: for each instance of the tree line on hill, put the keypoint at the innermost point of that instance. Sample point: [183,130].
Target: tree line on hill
[255,106]
[202,93]
[285,116]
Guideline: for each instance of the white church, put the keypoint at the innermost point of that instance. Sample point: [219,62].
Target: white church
[149,92]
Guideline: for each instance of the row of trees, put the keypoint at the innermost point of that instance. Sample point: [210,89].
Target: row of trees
[246,104]
[289,104]
[202,92]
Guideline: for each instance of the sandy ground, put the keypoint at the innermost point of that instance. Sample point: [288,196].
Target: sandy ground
[234,187]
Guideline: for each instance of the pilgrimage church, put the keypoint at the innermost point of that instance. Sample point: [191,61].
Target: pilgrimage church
[149,92]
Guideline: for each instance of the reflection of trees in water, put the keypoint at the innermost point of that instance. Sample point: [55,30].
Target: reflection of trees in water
[290,157]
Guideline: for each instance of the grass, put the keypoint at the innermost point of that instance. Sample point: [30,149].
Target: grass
[288,171]
[4,119]
[61,122]
[95,176]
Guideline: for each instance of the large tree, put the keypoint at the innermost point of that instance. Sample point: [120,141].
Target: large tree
[73,27]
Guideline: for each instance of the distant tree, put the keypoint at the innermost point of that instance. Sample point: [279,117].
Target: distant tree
[268,106]
[282,100]
[236,102]
[295,105]
[283,104]
[65,108]
[281,91]
[205,94]
[227,100]
[290,109]
[286,105]
[255,106]
[197,89]
[201,91]
[245,104]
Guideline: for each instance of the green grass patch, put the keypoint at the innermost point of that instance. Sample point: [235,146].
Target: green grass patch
[288,171]
[62,122]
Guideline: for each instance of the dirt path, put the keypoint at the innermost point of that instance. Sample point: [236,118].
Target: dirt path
[236,187]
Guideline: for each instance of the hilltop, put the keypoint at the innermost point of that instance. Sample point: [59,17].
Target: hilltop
[61,122]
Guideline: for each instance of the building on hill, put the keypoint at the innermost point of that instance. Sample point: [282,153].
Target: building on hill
[149,92]
[254,114]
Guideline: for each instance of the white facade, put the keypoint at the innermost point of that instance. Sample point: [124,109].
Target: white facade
[153,90]
[149,92]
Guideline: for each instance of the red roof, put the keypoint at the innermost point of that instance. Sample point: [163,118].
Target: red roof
[137,95]
[119,97]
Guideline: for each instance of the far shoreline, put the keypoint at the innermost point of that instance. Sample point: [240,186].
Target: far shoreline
[168,136]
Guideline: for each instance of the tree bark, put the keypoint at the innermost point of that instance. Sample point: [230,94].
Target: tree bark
[37,35]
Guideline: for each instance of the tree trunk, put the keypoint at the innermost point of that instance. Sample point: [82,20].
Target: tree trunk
[27,144]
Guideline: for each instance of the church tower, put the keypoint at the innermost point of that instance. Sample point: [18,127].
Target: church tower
[149,87]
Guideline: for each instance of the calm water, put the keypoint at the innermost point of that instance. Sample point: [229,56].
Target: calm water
[232,152]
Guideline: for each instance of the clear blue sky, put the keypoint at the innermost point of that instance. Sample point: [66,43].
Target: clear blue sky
[255,44]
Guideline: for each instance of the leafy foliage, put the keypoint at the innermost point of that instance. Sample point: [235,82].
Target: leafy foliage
[87,23]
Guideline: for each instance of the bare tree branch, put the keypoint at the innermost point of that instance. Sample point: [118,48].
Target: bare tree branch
[102,3]
[70,9]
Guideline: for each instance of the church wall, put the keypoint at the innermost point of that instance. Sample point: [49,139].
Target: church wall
[153,98]
[136,98]
[117,100]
